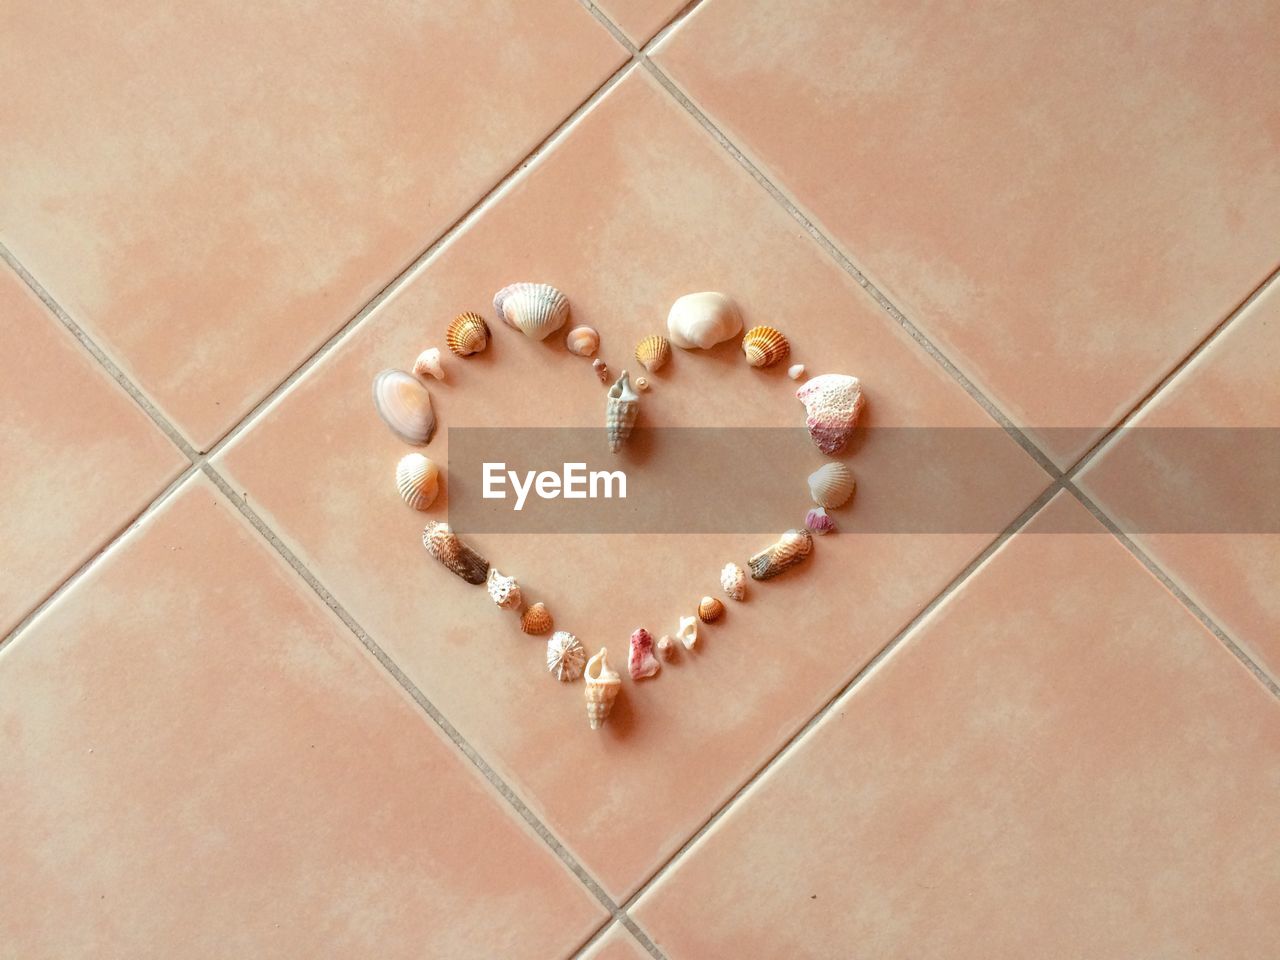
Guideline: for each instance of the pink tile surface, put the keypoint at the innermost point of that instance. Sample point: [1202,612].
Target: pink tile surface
[617,944]
[641,19]
[200,761]
[64,424]
[213,192]
[1232,384]
[1066,197]
[1059,761]
[637,206]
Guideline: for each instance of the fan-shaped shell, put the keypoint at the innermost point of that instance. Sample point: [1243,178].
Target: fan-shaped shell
[583,341]
[703,320]
[418,480]
[535,309]
[565,656]
[734,581]
[642,663]
[443,544]
[504,591]
[765,346]
[536,620]
[831,485]
[428,364]
[404,405]
[602,687]
[621,408]
[817,521]
[467,334]
[710,610]
[832,403]
[791,548]
[653,351]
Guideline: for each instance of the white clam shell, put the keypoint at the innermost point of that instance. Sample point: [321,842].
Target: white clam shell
[583,341]
[535,309]
[428,364]
[734,581]
[418,480]
[701,320]
[831,485]
[404,405]
[687,632]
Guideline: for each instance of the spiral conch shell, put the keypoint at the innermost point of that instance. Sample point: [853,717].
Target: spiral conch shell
[536,620]
[418,480]
[620,411]
[603,683]
[583,341]
[565,656]
[443,544]
[642,663]
[832,403]
[504,591]
[404,405]
[817,521]
[831,485]
[791,548]
[467,334]
[703,320]
[687,632]
[734,581]
[653,351]
[710,610]
[428,364]
[765,346]
[535,309]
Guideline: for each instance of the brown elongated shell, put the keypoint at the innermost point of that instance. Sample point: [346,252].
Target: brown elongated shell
[791,548]
[765,346]
[602,687]
[653,352]
[443,544]
[467,334]
[710,610]
[404,405]
[536,620]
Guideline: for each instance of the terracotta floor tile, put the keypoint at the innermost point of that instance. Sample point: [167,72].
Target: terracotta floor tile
[1221,479]
[1060,755]
[213,192]
[1066,197]
[636,207]
[200,761]
[617,944]
[641,19]
[64,423]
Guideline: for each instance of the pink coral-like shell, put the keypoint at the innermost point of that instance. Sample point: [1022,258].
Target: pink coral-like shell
[642,663]
[832,403]
[817,521]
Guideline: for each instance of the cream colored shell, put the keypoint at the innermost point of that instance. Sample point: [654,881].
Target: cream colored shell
[701,320]
[565,656]
[831,485]
[418,480]
[602,685]
[535,309]
[404,405]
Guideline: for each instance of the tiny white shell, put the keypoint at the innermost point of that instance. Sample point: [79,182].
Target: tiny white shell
[687,632]
[703,320]
[583,341]
[418,480]
[831,485]
[428,364]
[795,371]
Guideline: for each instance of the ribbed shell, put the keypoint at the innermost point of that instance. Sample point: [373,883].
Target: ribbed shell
[583,341]
[443,544]
[535,309]
[791,548]
[831,485]
[653,351]
[565,656]
[536,620]
[765,346]
[710,610]
[418,480]
[404,405]
[602,688]
[620,412]
[817,521]
[467,334]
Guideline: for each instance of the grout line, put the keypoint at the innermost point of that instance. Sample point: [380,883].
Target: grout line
[1209,339]
[1173,587]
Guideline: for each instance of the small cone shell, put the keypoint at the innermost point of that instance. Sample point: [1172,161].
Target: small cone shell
[602,687]
[620,411]
[467,334]
[443,544]
[653,352]
[536,620]
[710,610]
[765,346]
[418,480]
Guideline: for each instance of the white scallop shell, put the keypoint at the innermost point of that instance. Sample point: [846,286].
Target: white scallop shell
[565,655]
[687,632]
[428,364]
[418,480]
[583,341]
[734,581]
[535,309]
[703,320]
[504,591]
[831,485]
[404,405]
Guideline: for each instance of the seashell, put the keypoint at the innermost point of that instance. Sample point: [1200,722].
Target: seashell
[504,591]
[703,320]
[734,581]
[536,620]
[795,371]
[467,334]
[602,688]
[653,351]
[418,480]
[765,346]
[831,485]
[565,656]
[583,341]
[620,411]
[443,544]
[642,384]
[601,368]
[642,663]
[687,632]
[404,405]
[832,403]
[667,648]
[791,548]
[710,610]
[428,364]
[535,309]
[817,521]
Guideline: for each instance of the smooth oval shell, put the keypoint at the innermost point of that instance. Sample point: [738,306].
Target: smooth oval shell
[642,663]
[467,334]
[765,346]
[817,521]
[443,544]
[734,581]
[621,408]
[535,309]
[831,485]
[710,610]
[687,632]
[418,480]
[565,656]
[428,364]
[504,591]
[791,548]
[536,620]
[583,341]
[404,405]
[653,352]
[795,371]
[701,320]
[832,403]
[601,690]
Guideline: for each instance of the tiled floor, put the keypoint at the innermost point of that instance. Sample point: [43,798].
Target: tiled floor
[241,713]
